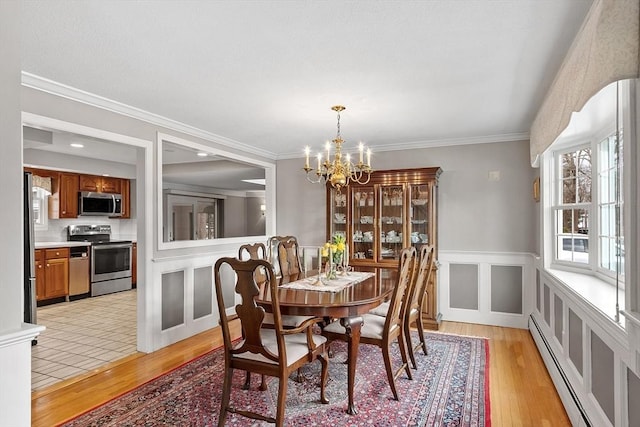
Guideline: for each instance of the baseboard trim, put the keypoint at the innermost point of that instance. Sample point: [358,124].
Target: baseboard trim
[559,377]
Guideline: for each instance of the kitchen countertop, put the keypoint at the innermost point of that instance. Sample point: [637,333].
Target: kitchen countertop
[47,245]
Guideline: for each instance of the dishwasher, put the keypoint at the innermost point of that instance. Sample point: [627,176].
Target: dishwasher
[78,272]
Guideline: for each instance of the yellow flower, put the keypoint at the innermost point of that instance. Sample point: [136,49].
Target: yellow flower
[340,247]
[325,251]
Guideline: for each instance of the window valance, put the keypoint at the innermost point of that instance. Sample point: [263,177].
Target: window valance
[605,50]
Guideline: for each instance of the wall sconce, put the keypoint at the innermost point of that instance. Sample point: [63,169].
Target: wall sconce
[263,208]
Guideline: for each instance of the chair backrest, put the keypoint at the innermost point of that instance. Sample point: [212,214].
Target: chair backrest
[289,259]
[251,315]
[423,268]
[397,304]
[272,249]
[254,251]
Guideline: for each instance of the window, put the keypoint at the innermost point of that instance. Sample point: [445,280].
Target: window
[40,214]
[611,242]
[587,223]
[573,207]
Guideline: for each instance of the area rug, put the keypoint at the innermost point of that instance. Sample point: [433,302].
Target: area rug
[450,387]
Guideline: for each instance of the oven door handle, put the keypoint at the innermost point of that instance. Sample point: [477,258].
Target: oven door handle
[114,246]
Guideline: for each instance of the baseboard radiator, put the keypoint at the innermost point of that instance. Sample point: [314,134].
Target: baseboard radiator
[568,395]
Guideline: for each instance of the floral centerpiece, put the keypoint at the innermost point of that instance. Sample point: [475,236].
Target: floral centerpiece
[334,250]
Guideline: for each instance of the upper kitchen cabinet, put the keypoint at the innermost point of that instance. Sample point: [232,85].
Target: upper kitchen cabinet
[63,202]
[125,190]
[100,184]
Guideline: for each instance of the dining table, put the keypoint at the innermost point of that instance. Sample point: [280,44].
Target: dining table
[347,304]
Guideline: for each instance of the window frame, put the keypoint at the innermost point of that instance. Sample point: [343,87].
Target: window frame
[593,266]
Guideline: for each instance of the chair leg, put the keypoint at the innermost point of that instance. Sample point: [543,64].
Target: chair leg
[407,334]
[420,327]
[282,398]
[263,384]
[323,377]
[247,381]
[226,395]
[405,359]
[386,355]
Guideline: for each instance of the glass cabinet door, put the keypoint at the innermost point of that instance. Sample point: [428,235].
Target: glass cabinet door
[363,216]
[338,218]
[419,215]
[392,214]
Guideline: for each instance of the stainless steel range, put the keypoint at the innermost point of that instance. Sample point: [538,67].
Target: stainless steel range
[110,260]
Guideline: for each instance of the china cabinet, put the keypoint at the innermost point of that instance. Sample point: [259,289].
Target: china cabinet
[395,209]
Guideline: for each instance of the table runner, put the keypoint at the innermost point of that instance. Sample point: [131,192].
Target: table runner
[334,285]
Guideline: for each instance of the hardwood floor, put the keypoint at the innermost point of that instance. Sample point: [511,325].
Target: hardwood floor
[522,393]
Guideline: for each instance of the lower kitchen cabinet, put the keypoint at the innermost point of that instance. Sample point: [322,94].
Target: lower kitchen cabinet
[52,273]
[134,264]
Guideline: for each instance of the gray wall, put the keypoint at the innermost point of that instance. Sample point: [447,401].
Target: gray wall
[475,214]
[235,224]
[255,217]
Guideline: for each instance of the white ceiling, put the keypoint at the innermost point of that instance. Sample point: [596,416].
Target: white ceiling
[265,73]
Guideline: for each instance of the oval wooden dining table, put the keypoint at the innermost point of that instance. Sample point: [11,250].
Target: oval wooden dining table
[348,305]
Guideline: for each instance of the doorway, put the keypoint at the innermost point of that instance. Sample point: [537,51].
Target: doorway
[60,157]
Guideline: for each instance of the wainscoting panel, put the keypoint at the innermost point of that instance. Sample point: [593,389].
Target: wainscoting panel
[506,289]
[575,341]
[558,318]
[486,287]
[602,376]
[589,357]
[538,290]
[202,292]
[633,392]
[547,305]
[463,286]
[172,299]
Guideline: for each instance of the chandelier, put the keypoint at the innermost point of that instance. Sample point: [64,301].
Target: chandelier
[339,171]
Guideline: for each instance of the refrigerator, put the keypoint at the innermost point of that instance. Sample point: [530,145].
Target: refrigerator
[29,254]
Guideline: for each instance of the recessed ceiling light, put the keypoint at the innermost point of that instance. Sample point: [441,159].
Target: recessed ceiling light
[202,154]
[105,174]
[255,181]
[76,145]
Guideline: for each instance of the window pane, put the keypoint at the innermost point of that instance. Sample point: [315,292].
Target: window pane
[568,165]
[572,240]
[568,191]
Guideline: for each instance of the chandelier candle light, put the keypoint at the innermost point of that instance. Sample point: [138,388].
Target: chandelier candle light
[339,172]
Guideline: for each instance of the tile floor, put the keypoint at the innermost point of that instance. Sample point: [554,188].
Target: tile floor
[83,335]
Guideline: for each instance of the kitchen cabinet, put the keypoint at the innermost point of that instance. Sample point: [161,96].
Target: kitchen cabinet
[394,210]
[63,202]
[134,264]
[125,190]
[39,264]
[52,273]
[100,184]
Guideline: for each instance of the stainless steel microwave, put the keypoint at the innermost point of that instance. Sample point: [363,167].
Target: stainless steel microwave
[99,204]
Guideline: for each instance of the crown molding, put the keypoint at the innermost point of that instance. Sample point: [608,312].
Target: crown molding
[445,142]
[45,85]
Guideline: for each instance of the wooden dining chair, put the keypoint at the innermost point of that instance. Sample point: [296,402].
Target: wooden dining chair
[259,251]
[273,257]
[289,259]
[274,352]
[416,297]
[383,331]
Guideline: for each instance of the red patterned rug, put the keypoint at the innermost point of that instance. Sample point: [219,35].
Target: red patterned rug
[449,388]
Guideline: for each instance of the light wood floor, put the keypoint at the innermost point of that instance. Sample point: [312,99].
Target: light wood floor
[522,393]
